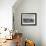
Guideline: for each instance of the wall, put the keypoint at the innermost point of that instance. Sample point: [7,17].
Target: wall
[6,13]
[29,32]
[43,22]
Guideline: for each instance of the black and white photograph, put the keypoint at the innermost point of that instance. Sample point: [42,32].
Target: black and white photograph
[28,18]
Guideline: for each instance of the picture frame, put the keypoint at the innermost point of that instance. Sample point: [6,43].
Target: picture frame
[29,19]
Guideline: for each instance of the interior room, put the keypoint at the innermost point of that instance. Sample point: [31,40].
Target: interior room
[22,23]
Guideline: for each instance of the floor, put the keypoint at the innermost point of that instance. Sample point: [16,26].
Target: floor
[9,43]
[13,42]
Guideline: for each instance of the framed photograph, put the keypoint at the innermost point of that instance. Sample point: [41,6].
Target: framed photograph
[28,18]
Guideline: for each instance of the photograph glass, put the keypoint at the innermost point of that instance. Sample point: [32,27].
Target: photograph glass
[28,18]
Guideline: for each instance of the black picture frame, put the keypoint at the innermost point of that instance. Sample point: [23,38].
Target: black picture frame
[29,19]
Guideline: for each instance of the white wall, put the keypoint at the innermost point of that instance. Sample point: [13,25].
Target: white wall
[31,32]
[6,13]
[43,22]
